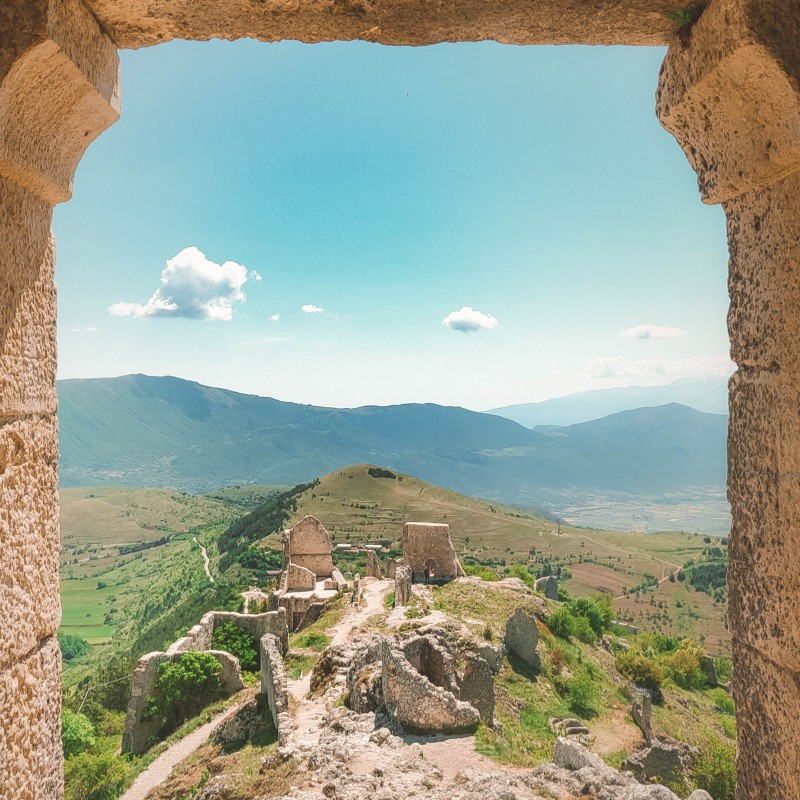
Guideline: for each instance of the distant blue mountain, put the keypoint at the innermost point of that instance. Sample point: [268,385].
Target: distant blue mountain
[146,431]
[703,394]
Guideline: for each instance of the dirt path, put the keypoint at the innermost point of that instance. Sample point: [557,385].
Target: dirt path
[160,769]
[205,559]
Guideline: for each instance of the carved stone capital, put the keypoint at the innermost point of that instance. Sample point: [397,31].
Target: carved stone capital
[729,93]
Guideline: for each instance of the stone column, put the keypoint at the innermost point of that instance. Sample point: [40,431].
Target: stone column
[729,93]
[58,91]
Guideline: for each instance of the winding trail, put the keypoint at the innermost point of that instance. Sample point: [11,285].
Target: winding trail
[205,559]
[160,769]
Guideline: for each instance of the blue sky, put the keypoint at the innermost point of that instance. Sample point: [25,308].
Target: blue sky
[388,190]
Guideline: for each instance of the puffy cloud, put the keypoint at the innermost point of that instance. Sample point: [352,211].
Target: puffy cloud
[191,286]
[254,275]
[468,320]
[310,308]
[648,330]
[692,367]
[275,318]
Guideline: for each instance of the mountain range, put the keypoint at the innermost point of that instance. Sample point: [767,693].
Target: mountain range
[703,394]
[139,430]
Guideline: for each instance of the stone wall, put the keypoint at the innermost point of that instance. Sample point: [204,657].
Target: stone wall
[300,579]
[373,567]
[548,586]
[138,732]
[477,686]
[522,637]
[257,625]
[427,544]
[274,687]
[415,702]
[402,584]
[308,545]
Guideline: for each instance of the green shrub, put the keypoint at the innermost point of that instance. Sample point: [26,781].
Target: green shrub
[486,573]
[683,666]
[723,702]
[562,623]
[583,694]
[598,610]
[640,670]
[583,631]
[232,639]
[77,732]
[72,646]
[521,571]
[94,777]
[183,688]
[388,601]
[714,770]
[312,641]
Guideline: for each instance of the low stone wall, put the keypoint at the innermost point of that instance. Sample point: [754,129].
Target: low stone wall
[477,687]
[415,702]
[373,567]
[138,732]
[274,687]
[257,625]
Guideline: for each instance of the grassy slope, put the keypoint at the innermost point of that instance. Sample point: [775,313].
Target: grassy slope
[356,507]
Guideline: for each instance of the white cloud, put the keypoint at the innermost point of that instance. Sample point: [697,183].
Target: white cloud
[191,286]
[275,318]
[648,330]
[692,367]
[86,329]
[310,308]
[254,275]
[468,320]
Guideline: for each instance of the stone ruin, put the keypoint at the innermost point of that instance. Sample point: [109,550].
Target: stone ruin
[548,586]
[402,583]
[522,637]
[138,731]
[414,679]
[427,549]
[373,566]
[309,578]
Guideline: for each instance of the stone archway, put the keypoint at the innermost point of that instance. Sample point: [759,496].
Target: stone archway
[729,92]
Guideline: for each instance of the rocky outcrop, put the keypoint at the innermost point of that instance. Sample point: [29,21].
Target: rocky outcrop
[667,761]
[522,637]
[273,686]
[241,726]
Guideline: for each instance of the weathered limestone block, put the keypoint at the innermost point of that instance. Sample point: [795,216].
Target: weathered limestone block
[29,603]
[60,90]
[313,613]
[477,687]
[239,727]
[402,585]
[356,590]
[274,687]
[135,23]
[308,544]
[548,586]
[642,714]
[138,731]
[390,567]
[415,702]
[31,760]
[427,545]
[300,579]
[729,95]
[522,637]
[493,655]
[767,725]
[373,567]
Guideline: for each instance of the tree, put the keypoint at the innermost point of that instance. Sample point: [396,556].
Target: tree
[232,639]
[72,646]
[77,733]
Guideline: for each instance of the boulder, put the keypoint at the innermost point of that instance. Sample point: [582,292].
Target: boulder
[664,761]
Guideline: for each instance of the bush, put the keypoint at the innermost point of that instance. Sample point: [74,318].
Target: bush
[723,702]
[183,687]
[92,777]
[562,623]
[72,646]
[583,631]
[483,572]
[683,666]
[598,610]
[77,733]
[583,694]
[714,770]
[640,670]
[232,639]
